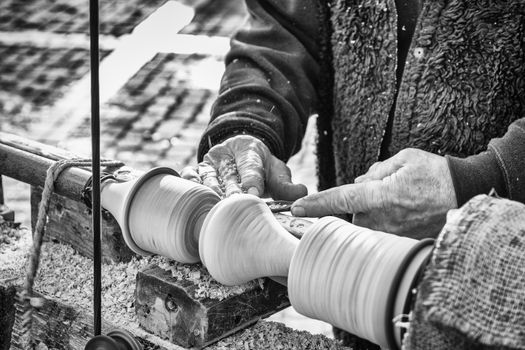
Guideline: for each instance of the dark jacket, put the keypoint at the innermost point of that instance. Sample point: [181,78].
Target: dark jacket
[462,91]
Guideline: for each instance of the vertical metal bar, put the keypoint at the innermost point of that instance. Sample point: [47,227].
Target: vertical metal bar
[1,192]
[95,155]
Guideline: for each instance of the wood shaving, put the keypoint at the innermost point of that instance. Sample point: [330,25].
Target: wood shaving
[207,287]
[14,250]
[10,232]
[274,335]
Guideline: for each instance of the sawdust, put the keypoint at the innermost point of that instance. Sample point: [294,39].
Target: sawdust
[9,233]
[207,287]
[14,248]
[273,335]
[68,276]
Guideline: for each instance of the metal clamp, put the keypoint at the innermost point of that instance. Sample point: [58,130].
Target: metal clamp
[87,191]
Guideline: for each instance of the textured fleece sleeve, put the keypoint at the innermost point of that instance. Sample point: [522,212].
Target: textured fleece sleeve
[268,88]
[501,167]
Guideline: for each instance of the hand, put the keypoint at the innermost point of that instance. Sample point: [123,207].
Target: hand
[408,194]
[244,164]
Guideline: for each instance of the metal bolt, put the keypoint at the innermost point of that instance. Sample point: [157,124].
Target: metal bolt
[170,304]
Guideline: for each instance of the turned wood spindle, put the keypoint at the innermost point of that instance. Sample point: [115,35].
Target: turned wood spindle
[160,213]
[355,278]
[241,240]
[352,277]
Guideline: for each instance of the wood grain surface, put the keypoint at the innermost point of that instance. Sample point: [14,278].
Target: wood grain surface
[168,308]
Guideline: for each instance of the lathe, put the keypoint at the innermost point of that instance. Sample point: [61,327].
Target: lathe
[239,240]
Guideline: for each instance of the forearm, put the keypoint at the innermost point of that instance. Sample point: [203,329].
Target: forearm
[268,88]
[501,167]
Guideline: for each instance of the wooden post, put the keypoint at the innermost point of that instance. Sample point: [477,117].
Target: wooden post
[7,315]
[5,212]
[168,307]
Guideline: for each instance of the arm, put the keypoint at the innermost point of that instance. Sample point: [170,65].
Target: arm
[411,192]
[268,88]
[501,167]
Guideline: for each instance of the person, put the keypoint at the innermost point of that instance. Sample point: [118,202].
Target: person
[420,104]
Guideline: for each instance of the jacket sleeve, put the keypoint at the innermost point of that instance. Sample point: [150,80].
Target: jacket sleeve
[272,69]
[501,167]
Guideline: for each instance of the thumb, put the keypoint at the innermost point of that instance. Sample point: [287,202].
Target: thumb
[346,199]
[279,182]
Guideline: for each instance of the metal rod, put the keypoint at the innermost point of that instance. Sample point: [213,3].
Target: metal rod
[95,155]
[1,192]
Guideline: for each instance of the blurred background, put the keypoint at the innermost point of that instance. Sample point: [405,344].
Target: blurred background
[161,64]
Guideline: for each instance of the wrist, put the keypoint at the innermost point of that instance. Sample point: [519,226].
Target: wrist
[475,175]
[233,124]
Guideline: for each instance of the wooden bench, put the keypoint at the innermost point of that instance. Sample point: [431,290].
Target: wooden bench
[61,326]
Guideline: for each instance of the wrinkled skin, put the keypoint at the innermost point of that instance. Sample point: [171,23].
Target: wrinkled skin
[243,163]
[408,194]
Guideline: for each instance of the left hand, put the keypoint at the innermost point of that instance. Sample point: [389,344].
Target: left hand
[408,194]
[244,163]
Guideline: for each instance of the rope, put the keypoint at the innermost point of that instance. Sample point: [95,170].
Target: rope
[25,296]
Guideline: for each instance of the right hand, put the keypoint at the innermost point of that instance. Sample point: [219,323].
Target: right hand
[244,163]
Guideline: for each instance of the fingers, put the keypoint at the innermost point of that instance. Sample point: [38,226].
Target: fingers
[209,178]
[221,158]
[230,177]
[247,160]
[280,183]
[250,155]
[250,165]
[226,172]
[191,173]
[353,198]
[380,170]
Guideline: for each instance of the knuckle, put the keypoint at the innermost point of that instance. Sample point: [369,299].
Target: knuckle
[217,153]
[406,153]
[375,166]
